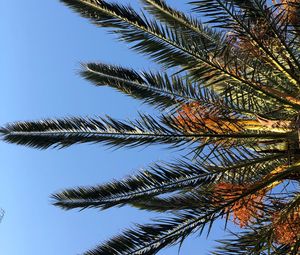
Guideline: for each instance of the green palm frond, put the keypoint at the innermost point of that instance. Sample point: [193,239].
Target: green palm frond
[249,5]
[289,207]
[169,177]
[279,33]
[187,24]
[156,89]
[163,178]
[163,44]
[225,15]
[218,11]
[179,202]
[160,178]
[149,239]
[163,91]
[66,132]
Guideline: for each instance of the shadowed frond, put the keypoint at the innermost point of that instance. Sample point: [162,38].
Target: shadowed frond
[188,201]
[160,178]
[149,239]
[166,178]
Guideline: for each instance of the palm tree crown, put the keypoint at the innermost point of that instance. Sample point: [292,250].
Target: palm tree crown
[232,101]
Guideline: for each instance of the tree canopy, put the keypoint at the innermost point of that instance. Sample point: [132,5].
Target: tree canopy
[228,94]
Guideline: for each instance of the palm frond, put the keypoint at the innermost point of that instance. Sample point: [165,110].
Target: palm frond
[156,89]
[158,179]
[66,132]
[163,44]
[163,178]
[193,200]
[187,24]
[217,11]
[259,239]
[289,207]
[149,239]
[247,5]
[279,32]
[163,91]
[249,242]
[224,14]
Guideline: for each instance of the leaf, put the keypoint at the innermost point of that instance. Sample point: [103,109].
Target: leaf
[153,88]
[66,132]
[159,179]
[149,239]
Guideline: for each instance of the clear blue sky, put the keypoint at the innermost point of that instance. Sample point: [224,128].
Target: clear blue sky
[42,43]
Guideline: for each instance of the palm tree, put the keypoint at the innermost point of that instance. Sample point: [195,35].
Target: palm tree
[230,96]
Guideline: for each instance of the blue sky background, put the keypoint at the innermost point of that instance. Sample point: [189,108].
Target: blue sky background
[42,44]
